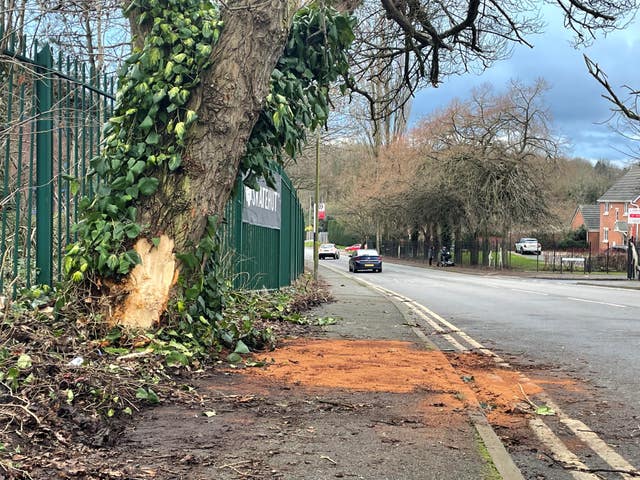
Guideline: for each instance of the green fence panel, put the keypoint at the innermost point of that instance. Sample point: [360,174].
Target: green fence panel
[51,113]
[44,166]
[260,257]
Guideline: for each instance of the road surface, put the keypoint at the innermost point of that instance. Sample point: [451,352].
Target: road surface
[588,332]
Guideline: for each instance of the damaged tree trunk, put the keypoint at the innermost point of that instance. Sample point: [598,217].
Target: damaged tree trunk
[227,102]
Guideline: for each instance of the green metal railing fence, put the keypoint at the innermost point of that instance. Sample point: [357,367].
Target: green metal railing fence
[51,114]
[262,257]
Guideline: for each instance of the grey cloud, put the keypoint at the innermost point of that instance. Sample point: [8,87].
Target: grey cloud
[574,99]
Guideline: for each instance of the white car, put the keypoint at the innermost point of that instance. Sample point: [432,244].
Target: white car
[528,245]
[328,250]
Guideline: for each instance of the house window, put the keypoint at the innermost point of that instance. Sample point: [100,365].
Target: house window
[617,214]
[605,235]
[626,209]
[606,208]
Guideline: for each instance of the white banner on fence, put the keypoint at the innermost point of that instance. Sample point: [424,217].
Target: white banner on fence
[263,207]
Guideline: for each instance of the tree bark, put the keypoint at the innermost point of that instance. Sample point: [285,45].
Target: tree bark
[227,102]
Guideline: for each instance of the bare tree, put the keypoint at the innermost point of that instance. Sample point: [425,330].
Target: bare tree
[626,109]
[92,31]
[431,40]
[485,154]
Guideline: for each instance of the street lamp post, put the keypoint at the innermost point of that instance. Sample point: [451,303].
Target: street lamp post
[315,210]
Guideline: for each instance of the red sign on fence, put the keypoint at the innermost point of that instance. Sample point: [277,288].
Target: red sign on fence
[633,216]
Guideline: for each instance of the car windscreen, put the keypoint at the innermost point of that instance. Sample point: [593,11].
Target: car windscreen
[367,253]
[327,245]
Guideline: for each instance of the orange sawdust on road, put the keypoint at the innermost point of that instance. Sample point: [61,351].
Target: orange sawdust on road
[364,365]
[399,367]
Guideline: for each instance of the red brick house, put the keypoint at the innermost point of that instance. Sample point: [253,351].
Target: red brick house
[614,206]
[589,216]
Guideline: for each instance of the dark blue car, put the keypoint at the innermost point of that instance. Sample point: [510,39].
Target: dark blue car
[365,259]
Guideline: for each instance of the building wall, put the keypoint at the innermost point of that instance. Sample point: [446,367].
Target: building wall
[578,220]
[607,221]
[593,236]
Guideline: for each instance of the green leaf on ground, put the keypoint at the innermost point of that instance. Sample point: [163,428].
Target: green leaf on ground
[234,358]
[241,347]
[545,410]
[323,321]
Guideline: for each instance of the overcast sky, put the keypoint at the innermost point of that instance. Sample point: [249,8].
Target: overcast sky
[574,97]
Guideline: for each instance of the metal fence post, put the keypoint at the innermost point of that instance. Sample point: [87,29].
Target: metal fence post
[44,167]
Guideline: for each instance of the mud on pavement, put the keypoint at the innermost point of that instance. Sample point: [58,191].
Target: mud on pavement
[322,408]
[330,408]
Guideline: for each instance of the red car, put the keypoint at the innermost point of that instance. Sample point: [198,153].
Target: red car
[353,247]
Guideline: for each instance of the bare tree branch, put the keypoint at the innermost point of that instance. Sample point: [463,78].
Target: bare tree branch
[630,112]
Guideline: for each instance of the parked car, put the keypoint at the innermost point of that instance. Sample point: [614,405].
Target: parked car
[365,259]
[528,245]
[353,248]
[328,250]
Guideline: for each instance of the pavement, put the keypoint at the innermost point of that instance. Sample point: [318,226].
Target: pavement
[366,313]
[612,280]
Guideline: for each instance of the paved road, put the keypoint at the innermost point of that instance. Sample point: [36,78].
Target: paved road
[590,332]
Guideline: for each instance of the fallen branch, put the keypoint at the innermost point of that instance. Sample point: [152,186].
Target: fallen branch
[22,407]
[134,355]
[527,399]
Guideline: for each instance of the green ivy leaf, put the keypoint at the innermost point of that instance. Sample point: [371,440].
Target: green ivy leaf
[147,394]
[175,161]
[132,230]
[132,257]
[148,185]
[176,359]
[138,167]
[153,138]
[146,123]
[180,130]
[190,117]
[234,358]
[113,261]
[159,95]
[241,347]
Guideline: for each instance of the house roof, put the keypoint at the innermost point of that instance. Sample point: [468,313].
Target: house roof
[620,226]
[591,215]
[626,189]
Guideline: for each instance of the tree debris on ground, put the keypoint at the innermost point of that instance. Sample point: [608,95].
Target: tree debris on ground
[70,384]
